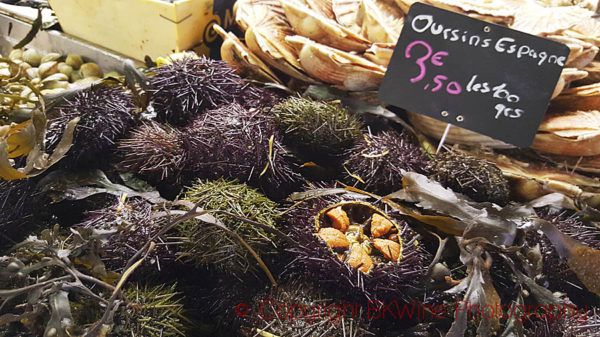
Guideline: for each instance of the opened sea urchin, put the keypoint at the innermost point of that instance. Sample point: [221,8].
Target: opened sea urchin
[105,116]
[208,245]
[375,163]
[154,151]
[478,179]
[235,143]
[188,86]
[356,248]
[325,128]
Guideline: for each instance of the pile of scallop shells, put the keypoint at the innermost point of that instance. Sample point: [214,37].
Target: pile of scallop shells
[348,44]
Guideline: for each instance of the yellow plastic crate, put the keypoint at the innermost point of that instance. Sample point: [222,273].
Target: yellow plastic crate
[137,28]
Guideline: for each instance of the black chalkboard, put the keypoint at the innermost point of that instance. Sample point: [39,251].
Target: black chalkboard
[477,75]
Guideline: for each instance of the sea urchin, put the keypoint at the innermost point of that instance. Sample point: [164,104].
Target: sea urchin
[154,151]
[478,179]
[325,128]
[207,245]
[355,248]
[235,143]
[376,162]
[105,116]
[187,86]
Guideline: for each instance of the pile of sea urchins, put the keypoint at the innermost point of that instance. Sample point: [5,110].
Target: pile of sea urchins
[291,221]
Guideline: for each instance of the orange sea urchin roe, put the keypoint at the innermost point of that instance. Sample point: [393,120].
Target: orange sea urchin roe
[380,226]
[339,219]
[358,258]
[333,237]
[390,249]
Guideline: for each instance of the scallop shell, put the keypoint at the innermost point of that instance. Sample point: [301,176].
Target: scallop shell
[345,13]
[589,27]
[591,5]
[538,20]
[348,71]
[405,4]
[587,30]
[456,135]
[530,180]
[583,164]
[583,98]
[266,27]
[574,133]
[581,52]
[380,21]
[496,11]
[567,76]
[254,13]
[380,53]
[270,46]
[593,69]
[310,24]
[242,59]
[323,7]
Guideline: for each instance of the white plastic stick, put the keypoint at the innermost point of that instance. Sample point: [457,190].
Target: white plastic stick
[443,139]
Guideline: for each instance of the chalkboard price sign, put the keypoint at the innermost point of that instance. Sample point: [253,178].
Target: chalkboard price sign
[477,75]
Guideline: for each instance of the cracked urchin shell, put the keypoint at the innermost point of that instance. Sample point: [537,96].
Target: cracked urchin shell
[314,313]
[207,245]
[375,163]
[559,275]
[154,151]
[478,179]
[134,225]
[188,86]
[105,116]
[151,311]
[235,143]
[325,128]
[400,280]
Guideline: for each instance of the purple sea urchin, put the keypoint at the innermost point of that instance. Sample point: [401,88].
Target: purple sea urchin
[375,163]
[254,97]
[154,151]
[20,211]
[567,324]
[133,226]
[556,270]
[324,128]
[478,179]
[334,268]
[298,309]
[105,116]
[188,86]
[235,143]
[207,245]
